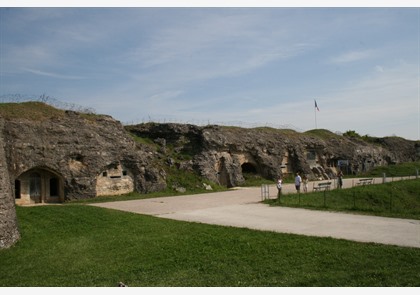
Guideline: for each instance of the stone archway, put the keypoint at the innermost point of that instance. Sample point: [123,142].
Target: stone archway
[39,185]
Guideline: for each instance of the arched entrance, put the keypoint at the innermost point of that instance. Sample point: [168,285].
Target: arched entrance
[250,172]
[39,185]
[248,168]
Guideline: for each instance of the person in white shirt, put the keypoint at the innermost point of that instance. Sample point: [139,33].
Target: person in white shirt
[298,181]
[279,185]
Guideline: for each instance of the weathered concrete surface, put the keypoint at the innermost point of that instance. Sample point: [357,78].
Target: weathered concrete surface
[227,155]
[9,232]
[242,208]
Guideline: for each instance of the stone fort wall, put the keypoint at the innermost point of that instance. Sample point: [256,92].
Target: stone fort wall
[9,232]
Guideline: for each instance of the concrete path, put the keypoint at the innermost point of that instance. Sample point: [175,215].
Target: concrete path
[243,208]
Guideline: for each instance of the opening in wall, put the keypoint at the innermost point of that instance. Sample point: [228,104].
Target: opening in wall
[54,187]
[39,185]
[17,189]
[248,168]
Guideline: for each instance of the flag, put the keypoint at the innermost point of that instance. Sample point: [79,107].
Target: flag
[316,106]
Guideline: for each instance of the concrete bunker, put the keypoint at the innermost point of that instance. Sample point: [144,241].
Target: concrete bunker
[39,185]
[114,180]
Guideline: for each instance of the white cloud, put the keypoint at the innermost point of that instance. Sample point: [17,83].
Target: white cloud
[379,69]
[376,103]
[53,75]
[352,56]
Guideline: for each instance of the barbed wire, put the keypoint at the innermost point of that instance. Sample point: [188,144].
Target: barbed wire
[197,122]
[52,101]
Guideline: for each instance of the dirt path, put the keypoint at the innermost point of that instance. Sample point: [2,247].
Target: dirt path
[243,208]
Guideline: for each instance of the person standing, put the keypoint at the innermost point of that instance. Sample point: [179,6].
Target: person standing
[298,181]
[279,186]
[305,183]
[340,179]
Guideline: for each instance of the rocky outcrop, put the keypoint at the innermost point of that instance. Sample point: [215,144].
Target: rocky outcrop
[9,232]
[225,154]
[67,155]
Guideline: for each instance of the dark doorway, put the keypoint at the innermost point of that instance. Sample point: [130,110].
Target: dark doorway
[17,189]
[54,187]
[248,168]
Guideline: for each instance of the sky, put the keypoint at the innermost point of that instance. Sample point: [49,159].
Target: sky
[255,66]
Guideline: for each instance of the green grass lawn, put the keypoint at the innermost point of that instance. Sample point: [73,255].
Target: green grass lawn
[80,245]
[396,199]
[402,169]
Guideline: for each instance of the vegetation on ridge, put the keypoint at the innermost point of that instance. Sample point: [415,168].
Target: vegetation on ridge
[38,111]
[35,111]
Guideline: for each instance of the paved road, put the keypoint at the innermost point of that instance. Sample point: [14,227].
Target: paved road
[242,207]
